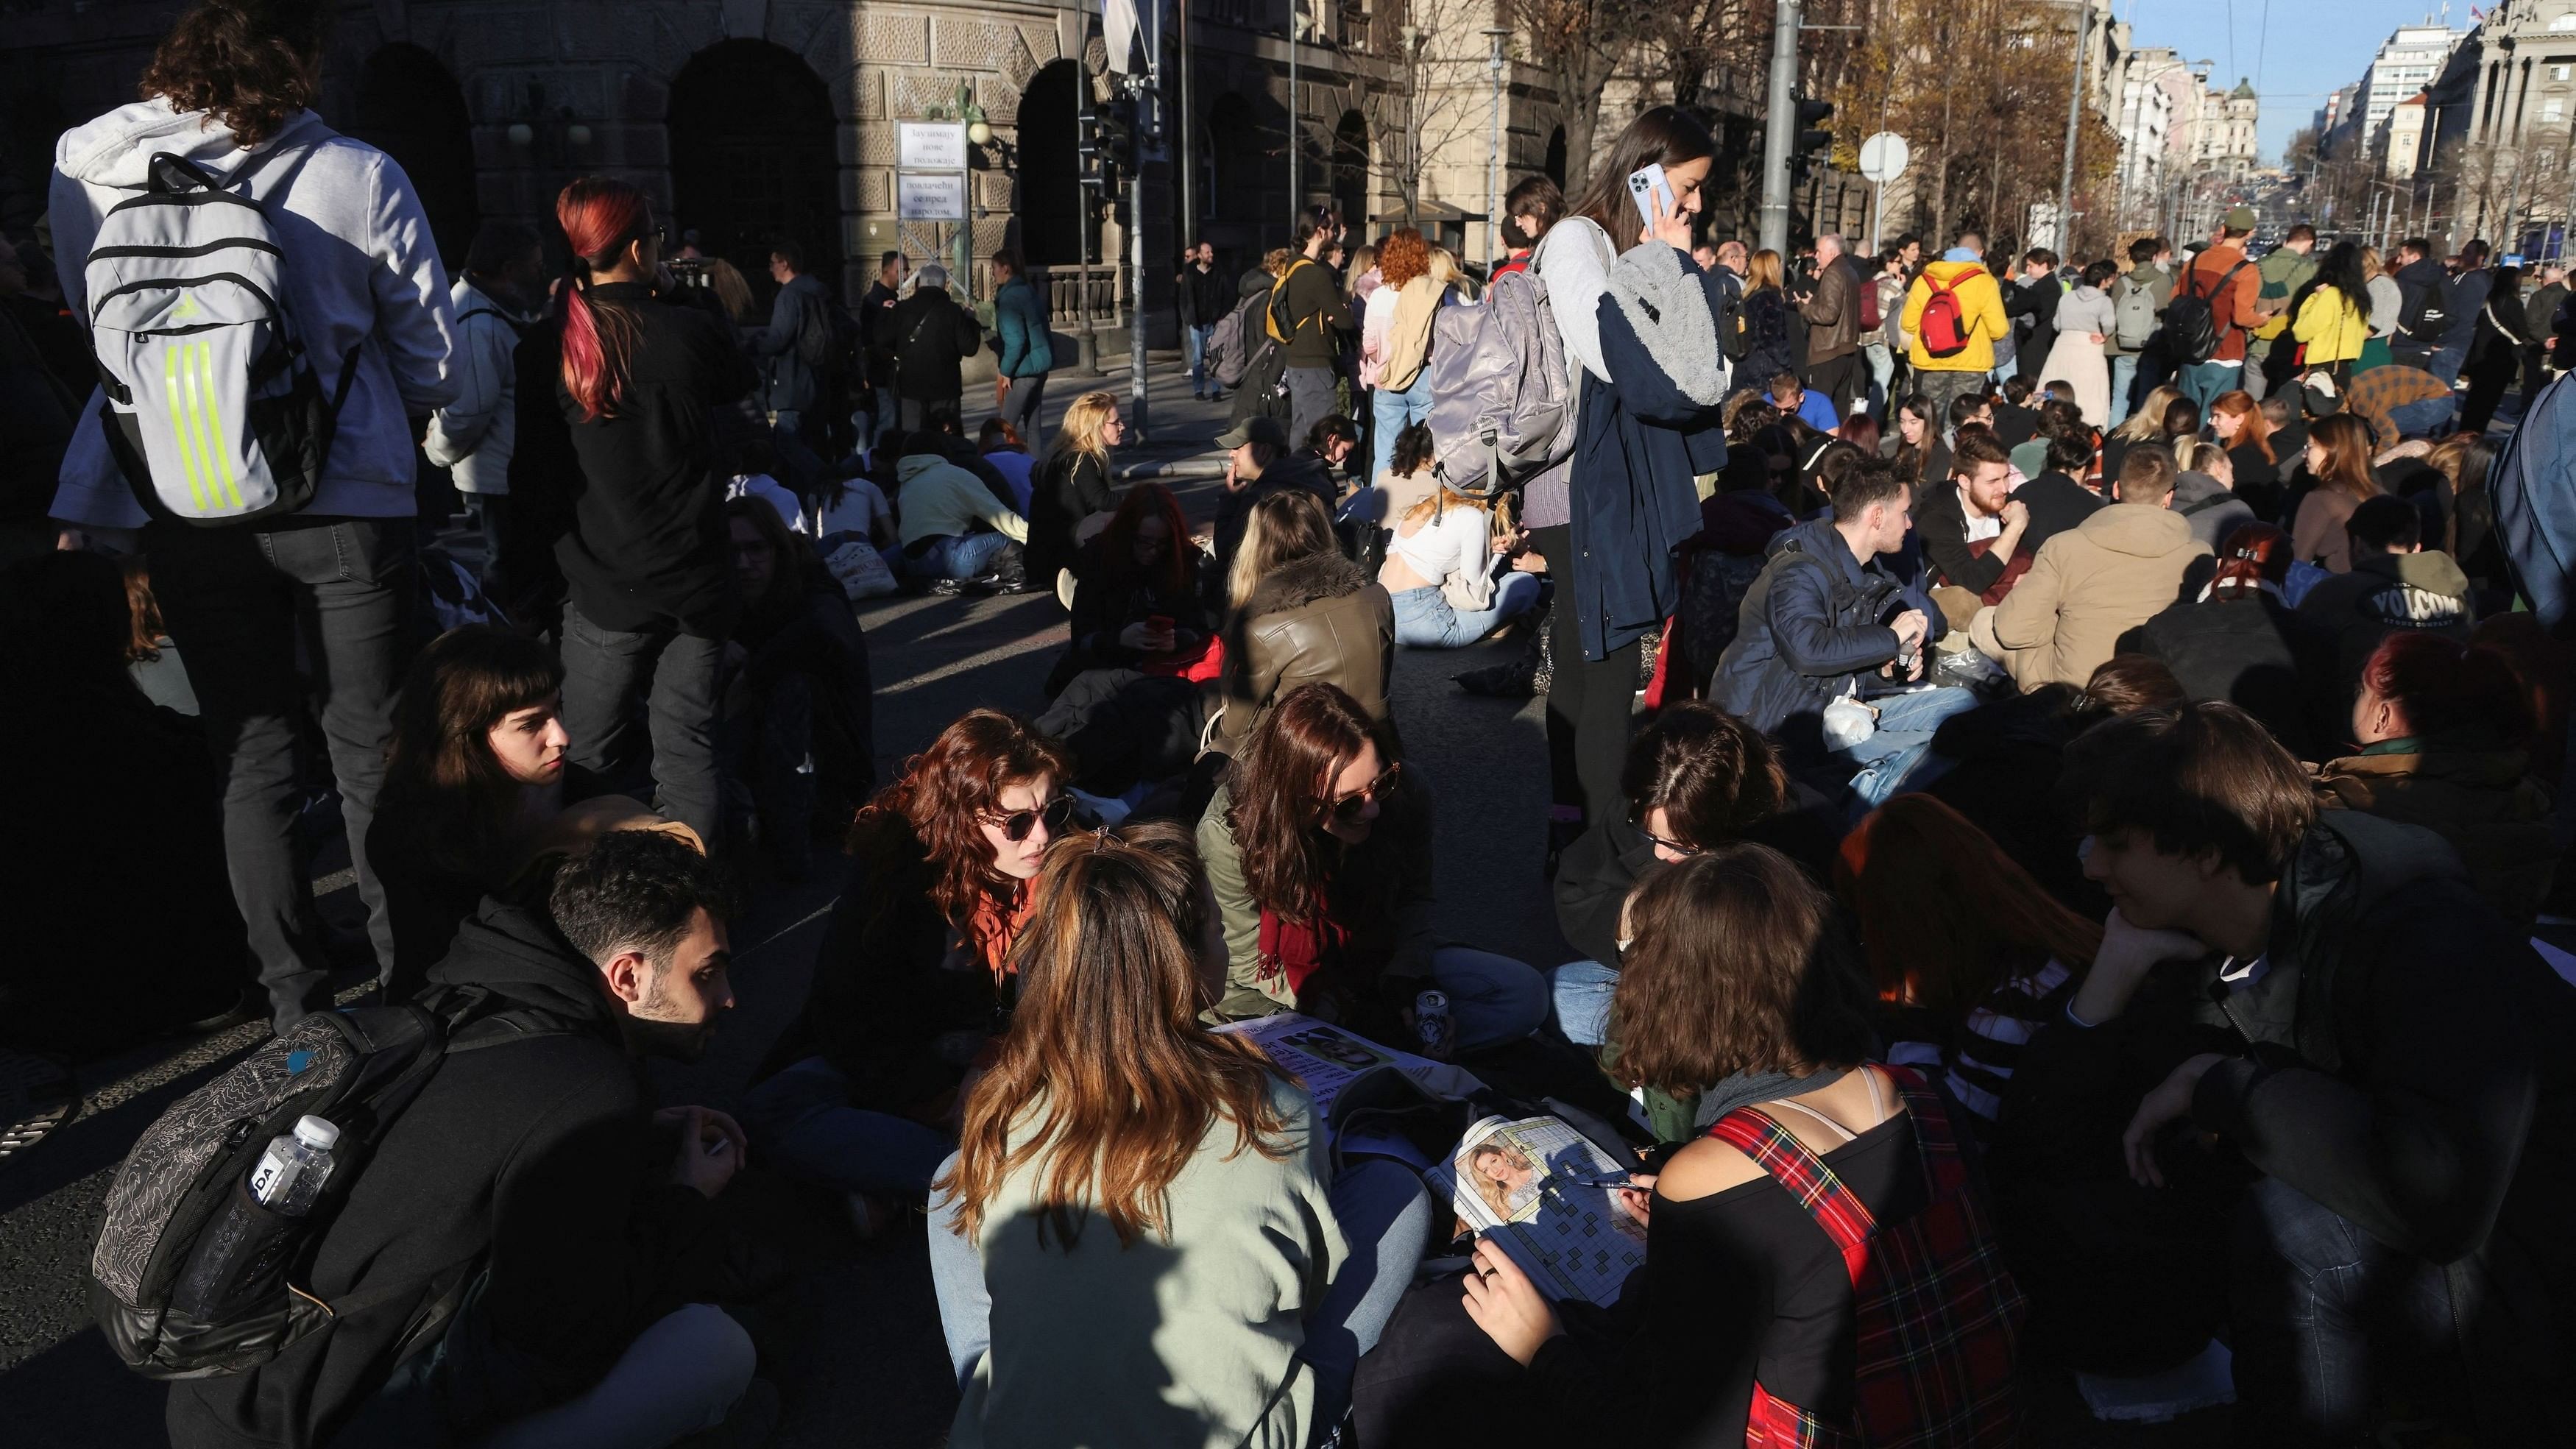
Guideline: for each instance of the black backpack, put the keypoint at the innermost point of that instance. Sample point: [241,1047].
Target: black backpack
[825,335]
[1731,338]
[2191,324]
[191,1276]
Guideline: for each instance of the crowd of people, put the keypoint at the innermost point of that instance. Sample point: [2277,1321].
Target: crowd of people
[2074,915]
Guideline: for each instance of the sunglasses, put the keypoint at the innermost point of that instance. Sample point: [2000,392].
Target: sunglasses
[1678,847]
[1017,825]
[1347,808]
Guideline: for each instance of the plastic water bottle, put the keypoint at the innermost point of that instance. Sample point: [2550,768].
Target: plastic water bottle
[290,1174]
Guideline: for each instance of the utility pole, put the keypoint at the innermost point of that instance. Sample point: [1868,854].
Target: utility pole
[1185,225]
[1494,240]
[1780,127]
[1147,133]
[1296,126]
[2074,115]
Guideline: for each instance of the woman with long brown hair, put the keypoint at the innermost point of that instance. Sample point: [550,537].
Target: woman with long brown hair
[915,974]
[1139,1206]
[2339,459]
[1757,1321]
[1319,847]
[653,595]
[2237,422]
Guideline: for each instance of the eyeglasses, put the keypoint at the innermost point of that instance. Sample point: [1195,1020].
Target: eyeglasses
[1347,808]
[1017,825]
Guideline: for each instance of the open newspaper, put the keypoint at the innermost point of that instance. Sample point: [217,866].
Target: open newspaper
[1521,1186]
[1326,1058]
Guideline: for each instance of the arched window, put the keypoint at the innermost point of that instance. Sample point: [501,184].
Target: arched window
[1351,170]
[753,160]
[410,108]
[1054,224]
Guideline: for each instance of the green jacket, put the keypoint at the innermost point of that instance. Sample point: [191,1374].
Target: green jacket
[1402,843]
[2283,273]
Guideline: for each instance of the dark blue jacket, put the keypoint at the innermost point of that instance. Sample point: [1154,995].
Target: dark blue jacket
[1641,440]
[1810,629]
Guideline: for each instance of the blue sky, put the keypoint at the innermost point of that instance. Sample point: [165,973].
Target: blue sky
[2294,60]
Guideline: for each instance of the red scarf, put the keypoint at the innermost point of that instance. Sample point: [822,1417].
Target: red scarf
[991,933]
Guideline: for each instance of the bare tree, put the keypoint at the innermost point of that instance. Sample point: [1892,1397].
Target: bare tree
[1581,43]
[1436,90]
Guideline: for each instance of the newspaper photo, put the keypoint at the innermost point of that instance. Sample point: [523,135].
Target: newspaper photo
[1523,1186]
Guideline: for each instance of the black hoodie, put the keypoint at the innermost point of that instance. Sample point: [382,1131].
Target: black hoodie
[536,1159]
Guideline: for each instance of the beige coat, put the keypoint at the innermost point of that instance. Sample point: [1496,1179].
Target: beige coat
[2090,584]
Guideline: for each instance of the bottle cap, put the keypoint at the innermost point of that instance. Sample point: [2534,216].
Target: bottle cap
[317,1133]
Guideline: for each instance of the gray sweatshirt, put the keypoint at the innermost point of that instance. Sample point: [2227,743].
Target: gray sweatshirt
[361,266]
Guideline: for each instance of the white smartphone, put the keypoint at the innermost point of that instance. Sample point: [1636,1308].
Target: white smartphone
[1647,187]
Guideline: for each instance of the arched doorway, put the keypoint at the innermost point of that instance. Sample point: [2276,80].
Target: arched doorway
[1556,157]
[1054,224]
[1241,163]
[753,160]
[408,106]
[1351,169]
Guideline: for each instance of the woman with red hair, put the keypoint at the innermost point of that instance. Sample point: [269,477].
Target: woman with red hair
[2231,637]
[915,975]
[653,597]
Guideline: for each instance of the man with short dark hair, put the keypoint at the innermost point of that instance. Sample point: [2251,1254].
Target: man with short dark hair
[2283,272]
[2223,276]
[1823,617]
[876,342]
[2330,1000]
[532,1253]
[1805,403]
[2464,297]
[1204,295]
[2034,302]
[2137,310]
[794,391]
[2423,290]
[2395,583]
[2088,586]
[1307,316]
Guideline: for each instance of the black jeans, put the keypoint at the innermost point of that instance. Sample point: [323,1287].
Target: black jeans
[239,602]
[606,672]
[1590,703]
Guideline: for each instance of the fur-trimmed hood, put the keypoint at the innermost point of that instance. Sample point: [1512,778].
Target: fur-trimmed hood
[1300,582]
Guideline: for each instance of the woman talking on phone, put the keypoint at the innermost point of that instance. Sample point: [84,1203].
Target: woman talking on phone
[1639,323]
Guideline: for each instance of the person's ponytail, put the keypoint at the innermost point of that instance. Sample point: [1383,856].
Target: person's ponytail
[599,218]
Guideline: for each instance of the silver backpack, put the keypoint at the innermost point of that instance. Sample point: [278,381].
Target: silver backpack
[214,410]
[1501,408]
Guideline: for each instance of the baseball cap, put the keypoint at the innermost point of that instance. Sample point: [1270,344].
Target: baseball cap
[2238,218]
[1254,429]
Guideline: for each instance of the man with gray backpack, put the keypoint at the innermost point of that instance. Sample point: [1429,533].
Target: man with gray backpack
[269,314]
[2137,311]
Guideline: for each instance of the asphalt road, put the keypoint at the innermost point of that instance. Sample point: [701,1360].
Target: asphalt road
[855,1346]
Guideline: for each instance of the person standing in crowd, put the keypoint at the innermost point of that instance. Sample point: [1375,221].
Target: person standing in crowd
[229,90]
[876,341]
[2085,323]
[1770,341]
[1073,487]
[2386,1066]
[653,596]
[1306,316]
[1533,205]
[2499,342]
[495,300]
[2284,273]
[794,390]
[1028,347]
[2034,299]
[1881,346]
[2464,300]
[2137,312]
[580,1240]
[1395,342]
[931,335]
[1834,364]
[2333,324]
[2423,301]
[2387,303]
[1204,296]
[2222,277]
[1972,306]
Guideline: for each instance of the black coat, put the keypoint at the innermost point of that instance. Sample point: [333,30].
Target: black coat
[1070,486]
[930,335]
[1811,626]
[1770,344]
[2007,756]
[2256,654]
[1605,863]
[2036,300]
[812,632]
[1205,297]
[538,1158]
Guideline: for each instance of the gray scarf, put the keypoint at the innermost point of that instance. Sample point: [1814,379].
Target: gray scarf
[1745,1089]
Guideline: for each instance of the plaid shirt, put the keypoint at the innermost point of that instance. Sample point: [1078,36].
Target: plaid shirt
[2370,396]
[1936,1315]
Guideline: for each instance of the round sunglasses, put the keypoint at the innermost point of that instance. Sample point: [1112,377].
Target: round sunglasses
[1347,808]
[1017,825]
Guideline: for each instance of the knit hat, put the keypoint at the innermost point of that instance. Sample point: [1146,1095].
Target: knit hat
[2238,218]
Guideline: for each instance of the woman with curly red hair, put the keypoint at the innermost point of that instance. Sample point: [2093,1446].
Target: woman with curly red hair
[915,975]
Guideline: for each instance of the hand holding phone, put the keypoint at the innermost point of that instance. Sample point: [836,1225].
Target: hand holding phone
[1656,206]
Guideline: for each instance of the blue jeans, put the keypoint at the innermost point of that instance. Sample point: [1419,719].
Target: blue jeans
[1898,747]
[2202,382]
[2124,378]
[959,556]
[1194,340]
[1393,410]
[1425,619]
[1882,372]
[1385,1219]
[1493,999]
[801,1120]
[2446,363]
[1580,991]
[2421,419]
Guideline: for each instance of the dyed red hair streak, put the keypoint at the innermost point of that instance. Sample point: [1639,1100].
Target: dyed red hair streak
[2443,686]
[938,796]
[599,217]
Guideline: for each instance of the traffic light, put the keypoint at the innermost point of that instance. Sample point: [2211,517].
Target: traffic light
[1809,143]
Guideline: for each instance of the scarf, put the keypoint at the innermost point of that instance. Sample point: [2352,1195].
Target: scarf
[991,933]
[1746,1089]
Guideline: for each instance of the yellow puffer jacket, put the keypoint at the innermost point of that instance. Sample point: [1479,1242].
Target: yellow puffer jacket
[2331,326]
[1981,312]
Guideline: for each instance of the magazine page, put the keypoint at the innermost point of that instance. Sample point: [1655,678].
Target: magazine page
[1528,1187]
[1326,1058]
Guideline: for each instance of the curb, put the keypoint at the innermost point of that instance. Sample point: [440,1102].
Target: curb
[1204,465]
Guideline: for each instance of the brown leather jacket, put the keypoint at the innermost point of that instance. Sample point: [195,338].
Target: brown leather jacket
[1833,312]
[1315,620]
[2483,801]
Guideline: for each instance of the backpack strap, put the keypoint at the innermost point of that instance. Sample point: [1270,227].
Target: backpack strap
[1936,1139]
[1836,1209]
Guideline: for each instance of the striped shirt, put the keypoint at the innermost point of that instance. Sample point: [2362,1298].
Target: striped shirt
[1977,1067]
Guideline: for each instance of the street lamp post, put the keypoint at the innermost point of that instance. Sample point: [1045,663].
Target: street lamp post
[1495,66]
[1296,123]
[2074,116]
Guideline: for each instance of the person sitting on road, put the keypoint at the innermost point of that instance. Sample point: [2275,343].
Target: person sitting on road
[2395,585]
[1451,574]
[1073,487]
[1791,397]
[1125,697]
[1696,778]
[1093,1258]
[2231,637]
[1002,446]
[1299,612]
[1744,1323]
[2338,458]
[954,530]
[2110,574]
[915,975]
[1318,845]
[797,730]
[533,1185]
[1257,465]
[1973,528]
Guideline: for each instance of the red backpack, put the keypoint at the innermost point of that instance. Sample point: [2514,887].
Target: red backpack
[1869,314]
[1936,1315]
[1944,331]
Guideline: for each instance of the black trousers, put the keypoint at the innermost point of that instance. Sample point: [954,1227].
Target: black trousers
[1840,379]
[1590,703]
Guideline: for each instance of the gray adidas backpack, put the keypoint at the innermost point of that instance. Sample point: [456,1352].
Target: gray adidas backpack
[2133,315]
[1502,410]
[214,410]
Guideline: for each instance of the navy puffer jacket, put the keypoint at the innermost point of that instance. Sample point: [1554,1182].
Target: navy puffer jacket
[1812,625]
